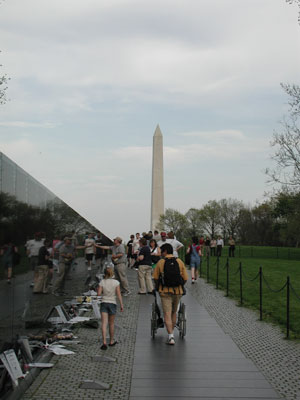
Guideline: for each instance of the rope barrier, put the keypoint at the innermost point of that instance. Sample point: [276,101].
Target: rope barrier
[249,279]
[294,291]
[238,270]
[224,265]
[269,287]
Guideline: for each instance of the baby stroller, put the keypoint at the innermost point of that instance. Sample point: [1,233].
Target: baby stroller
[158,322]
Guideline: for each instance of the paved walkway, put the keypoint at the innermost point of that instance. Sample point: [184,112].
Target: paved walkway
[205,365]
[227,354]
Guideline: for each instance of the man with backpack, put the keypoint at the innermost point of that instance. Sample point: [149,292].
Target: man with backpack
[170,275]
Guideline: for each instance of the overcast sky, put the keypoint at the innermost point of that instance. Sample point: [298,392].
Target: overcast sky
[91,79]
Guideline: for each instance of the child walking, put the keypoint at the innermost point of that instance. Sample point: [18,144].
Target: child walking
[109,288]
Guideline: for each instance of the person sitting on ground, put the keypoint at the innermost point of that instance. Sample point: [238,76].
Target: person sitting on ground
[145,268]
[170,275]
[109,288]
[195,251]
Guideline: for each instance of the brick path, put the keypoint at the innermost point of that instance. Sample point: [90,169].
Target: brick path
[264,344]
[63,380]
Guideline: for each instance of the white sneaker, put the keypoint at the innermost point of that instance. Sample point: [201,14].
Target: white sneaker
[171,341]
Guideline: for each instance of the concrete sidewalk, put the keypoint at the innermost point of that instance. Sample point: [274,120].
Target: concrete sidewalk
[207,364]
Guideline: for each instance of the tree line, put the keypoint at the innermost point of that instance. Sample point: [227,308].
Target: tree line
[275,222]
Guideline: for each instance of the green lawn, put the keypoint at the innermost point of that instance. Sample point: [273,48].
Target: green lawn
[275,272]
[285,253]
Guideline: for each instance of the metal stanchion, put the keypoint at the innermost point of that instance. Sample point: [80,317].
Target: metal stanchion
[288,307]
[241,284]
[260,293]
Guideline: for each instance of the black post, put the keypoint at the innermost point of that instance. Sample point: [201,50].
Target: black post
[289,253]
[207,269]
[239,251]
[217,274]
[277,252]
[260,293]
[241,284]
[227,278]
[288,307]
[200,267]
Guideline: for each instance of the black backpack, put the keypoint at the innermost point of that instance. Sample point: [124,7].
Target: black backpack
[171,276]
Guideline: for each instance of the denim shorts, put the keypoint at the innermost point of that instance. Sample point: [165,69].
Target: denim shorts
[109,308]
[195,262]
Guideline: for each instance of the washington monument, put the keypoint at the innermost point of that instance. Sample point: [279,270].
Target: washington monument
[157,197]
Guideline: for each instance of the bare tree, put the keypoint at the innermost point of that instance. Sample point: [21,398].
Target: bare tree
[287,155]
[287,144]
[3,88]
[294,102]
[295,2]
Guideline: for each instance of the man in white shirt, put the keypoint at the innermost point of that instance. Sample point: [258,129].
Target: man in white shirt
[163,239]
[32,248]
[220,245]
[89,251]
[175,243]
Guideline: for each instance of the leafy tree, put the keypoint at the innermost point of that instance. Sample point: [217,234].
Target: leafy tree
[210,217]
[230,212]
[194,220]
[173,220]
[263,224]
[287,214]
[246,230]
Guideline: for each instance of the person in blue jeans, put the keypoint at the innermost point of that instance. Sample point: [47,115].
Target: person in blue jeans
[109,288]
[195,252]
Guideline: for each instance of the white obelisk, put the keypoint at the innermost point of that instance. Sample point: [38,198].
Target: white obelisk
[157,198]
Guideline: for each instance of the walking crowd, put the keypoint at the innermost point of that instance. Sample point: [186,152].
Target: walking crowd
[153,255]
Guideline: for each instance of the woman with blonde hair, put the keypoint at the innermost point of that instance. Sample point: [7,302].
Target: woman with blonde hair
[109,288]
